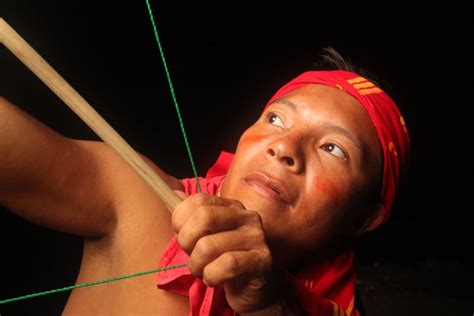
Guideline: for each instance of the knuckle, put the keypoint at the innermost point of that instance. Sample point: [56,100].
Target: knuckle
[208,277]
[267,256]
[254,218]
[263,259]
[200,199]
[237,204]
[251,235]
[205,247]
[184,241]
[176,221]
[233,263]
[206,217]
[257,235]
[195,268]
[178,217]
[212,277]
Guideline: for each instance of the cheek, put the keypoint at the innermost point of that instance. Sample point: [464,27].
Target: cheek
[246,156]
[251,144]
[251,138]
[326,187]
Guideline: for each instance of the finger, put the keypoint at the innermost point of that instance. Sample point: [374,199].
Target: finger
[208,220]
[209,248]
[184,209]
[237,265]
[180,194]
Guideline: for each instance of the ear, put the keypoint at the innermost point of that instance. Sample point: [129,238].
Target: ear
[373,221]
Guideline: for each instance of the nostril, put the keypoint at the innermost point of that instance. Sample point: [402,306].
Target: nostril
[271,152]
[289,161]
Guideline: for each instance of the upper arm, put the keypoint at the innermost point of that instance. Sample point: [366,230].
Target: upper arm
[85,190]
[65,184]
[117,191]
[61,187]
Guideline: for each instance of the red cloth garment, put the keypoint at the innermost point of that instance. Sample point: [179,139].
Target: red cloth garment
[202,299]
[326,288]
[323,289]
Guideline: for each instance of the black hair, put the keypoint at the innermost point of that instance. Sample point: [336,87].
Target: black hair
[330,59]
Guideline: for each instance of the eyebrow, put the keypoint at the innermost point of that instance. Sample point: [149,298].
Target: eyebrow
[341,131]
[328,126]
[288,103]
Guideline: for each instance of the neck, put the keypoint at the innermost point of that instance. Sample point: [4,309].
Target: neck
[327,253]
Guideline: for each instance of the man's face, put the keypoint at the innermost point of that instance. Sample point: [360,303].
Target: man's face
[308,163]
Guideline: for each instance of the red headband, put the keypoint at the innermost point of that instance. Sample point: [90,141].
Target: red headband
[383,112]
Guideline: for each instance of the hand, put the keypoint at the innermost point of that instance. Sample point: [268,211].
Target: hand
[227,248]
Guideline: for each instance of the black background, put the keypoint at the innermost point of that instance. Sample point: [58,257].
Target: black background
[225,61]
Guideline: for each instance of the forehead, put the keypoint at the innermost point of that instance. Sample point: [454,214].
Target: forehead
[323,98]
[319,102]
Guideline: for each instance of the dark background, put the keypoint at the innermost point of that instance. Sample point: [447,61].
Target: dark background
[225,62]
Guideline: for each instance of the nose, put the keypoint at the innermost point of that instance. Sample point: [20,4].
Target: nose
[287,152]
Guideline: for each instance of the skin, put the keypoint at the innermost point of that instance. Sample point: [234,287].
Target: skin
[330,172]
[320,143]
[234,240]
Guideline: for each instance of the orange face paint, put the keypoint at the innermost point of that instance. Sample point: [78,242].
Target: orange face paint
[325,186]
[251,138]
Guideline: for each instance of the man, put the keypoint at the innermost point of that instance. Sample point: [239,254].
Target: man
[272,236]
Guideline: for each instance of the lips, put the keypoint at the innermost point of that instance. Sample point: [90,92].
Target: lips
[269,187]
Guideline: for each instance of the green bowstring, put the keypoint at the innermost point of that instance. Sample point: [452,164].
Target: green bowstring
[68,288]
[188,148]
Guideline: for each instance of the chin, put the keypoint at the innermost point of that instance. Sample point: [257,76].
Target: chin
[264,206]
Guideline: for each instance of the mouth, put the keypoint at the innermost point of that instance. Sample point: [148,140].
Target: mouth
[269,187]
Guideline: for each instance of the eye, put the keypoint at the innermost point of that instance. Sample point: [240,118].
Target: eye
[274,119]
[335,150]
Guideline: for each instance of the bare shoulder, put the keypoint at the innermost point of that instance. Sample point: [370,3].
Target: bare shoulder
[138,211]
[137,241]
[141,226]
[125,186]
